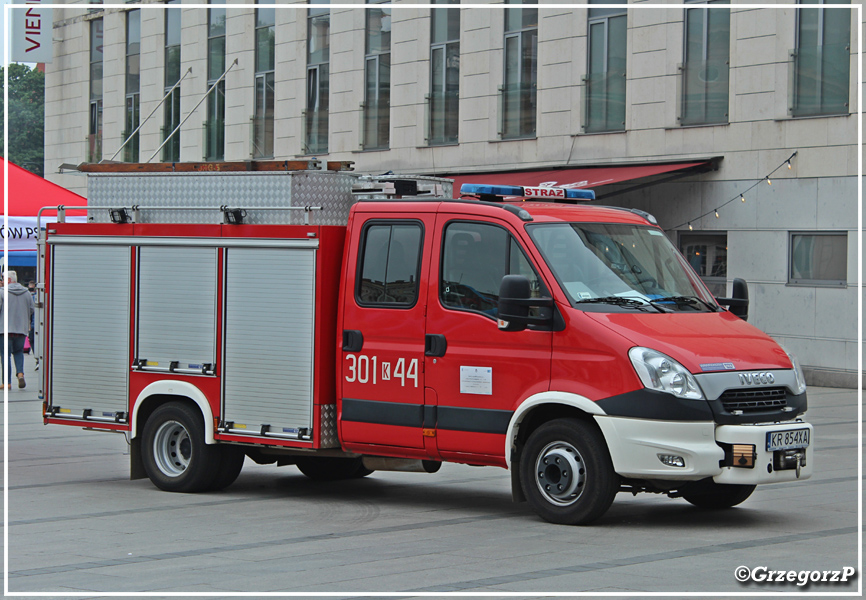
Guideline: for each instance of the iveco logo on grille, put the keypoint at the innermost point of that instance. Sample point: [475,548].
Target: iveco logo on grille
[757,379]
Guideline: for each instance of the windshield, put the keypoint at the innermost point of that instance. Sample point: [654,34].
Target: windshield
[605,265]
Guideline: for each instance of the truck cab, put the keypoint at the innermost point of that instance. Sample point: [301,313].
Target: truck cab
[569,343]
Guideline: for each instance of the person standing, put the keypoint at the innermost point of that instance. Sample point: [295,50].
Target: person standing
[31,287]
[20,309]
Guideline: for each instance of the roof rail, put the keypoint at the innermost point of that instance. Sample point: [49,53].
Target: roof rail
[312,164]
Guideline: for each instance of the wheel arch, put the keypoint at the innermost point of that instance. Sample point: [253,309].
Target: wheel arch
[160,392]
[539,409]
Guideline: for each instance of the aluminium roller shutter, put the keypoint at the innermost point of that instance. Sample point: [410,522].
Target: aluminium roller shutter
[269,338]
[177,288]
[90,299]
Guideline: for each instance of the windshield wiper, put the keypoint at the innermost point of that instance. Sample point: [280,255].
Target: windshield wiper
[620,301]
[688,300]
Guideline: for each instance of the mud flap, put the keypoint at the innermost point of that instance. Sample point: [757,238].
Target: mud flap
[516,489]
[136,465]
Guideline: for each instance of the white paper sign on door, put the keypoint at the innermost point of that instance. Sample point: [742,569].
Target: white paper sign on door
[476,380]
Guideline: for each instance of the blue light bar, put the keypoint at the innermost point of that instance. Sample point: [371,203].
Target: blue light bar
[536,193]
[491,190]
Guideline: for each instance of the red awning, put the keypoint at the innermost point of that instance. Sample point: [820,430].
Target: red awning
[590,177]
[28,193]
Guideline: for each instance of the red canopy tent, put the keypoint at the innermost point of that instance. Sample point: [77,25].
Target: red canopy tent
[580,177]
[27,194]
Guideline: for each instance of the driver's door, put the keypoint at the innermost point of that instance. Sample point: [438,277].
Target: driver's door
[483,373]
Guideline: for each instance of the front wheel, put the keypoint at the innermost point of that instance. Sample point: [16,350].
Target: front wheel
[175,456]
[566,472]
[709,494]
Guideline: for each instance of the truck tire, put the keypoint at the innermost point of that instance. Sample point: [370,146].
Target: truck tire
[175,456]
[709,494]
[324,468]
[566,472]
[231,462]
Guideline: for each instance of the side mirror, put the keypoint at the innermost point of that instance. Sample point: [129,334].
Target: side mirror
[515,300]
[739,302]
[514,291]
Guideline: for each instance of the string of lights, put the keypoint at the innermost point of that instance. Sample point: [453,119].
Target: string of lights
[741,196]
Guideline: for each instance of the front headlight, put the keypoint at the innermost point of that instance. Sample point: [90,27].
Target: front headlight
[799,378]
[660,372]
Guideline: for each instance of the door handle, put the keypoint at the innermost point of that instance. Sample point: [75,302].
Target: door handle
[435,344]
[353,340]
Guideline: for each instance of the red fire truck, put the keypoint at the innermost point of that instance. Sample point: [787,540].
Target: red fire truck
[345,324]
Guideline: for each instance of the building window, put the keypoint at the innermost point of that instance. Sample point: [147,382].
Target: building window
[377,79]
[318,79]
[215,126]
[444,74]
[706,66]
[818,259]
[171,108]
[604,84]
[94,133]
[521,72]
[707,253]
[821,62]
[263,120]
[133,84]
[390,264]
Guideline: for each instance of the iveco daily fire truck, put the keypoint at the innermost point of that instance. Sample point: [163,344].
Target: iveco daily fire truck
[295,314]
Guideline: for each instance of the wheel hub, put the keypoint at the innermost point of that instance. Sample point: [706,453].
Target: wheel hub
[172,448]
[560,473]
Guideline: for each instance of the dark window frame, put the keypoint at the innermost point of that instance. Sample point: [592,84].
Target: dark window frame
[264,88]
[604,16]
[710,281]
[171,110]
[97,63]
[697,112]
[439,105]
[362,251]
[215,124]
[132,87]
[543,287]
[317,110]
[816,283]
[821,107]
[525,114]
[376,112]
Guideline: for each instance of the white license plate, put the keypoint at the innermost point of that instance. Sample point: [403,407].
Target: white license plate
[785,440]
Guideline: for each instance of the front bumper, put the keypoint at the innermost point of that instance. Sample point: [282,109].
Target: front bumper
[706,450]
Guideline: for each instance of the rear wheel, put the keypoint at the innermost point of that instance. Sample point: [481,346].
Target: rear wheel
[709,494]
[323,468]
[175,456]
[566,472]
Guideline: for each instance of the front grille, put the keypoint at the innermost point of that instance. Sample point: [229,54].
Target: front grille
[756,400]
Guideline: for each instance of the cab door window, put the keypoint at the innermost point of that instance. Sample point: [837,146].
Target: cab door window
[475,258]
[389,264]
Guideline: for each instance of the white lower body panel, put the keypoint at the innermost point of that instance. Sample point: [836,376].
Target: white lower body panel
[635,445]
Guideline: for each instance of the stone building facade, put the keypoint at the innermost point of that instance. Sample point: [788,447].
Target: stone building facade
[498,90]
